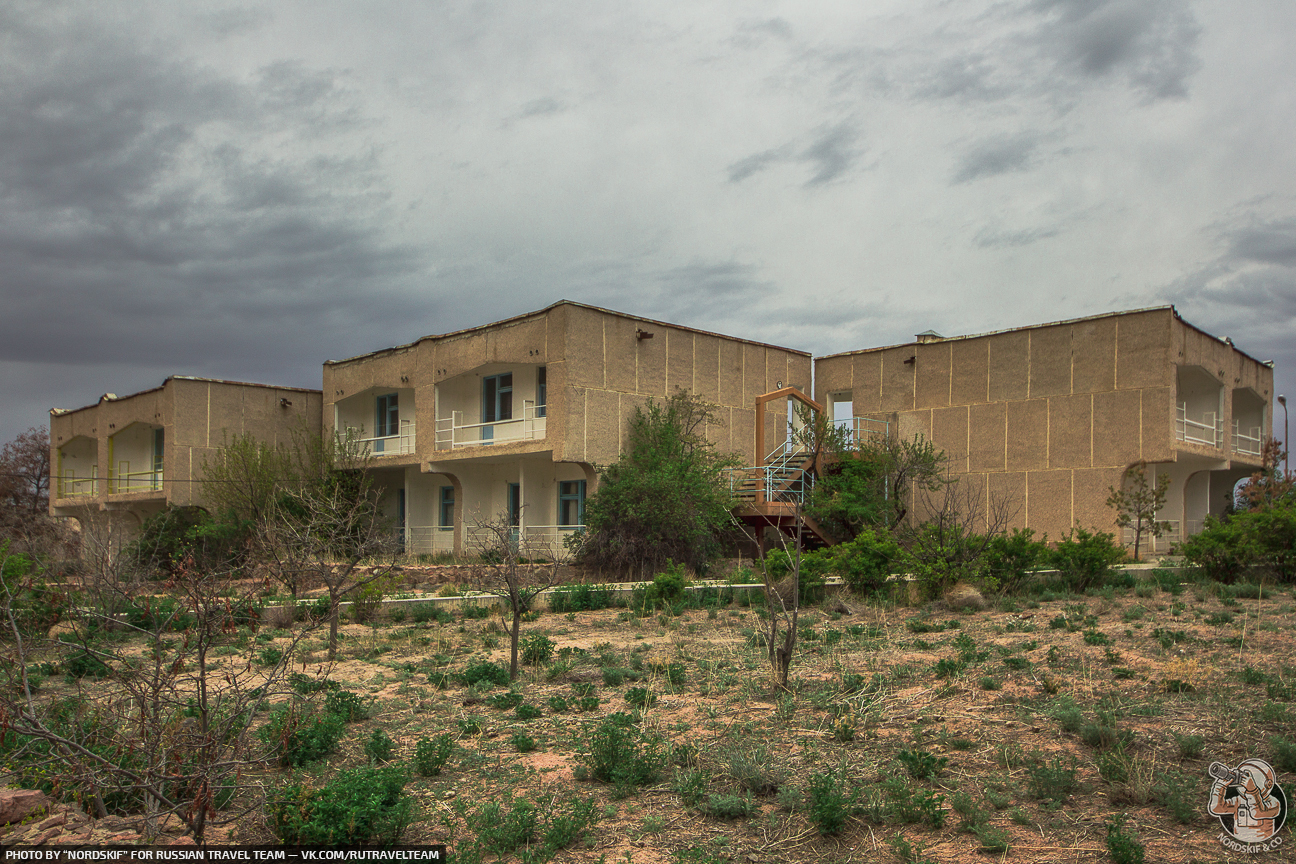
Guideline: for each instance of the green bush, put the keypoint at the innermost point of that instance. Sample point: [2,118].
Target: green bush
[723,806]
[665,499]
[351,707]
[83,664]
[359,806]
[1124,847]
[483,671]
[297,733]
[640,697]
[921,764]
[1053,781]
[504,826]
[432,754]
[379,747]
[421,613]
[865,562]
[1085,559]
[527,711]
[160,613]
[828,804]
[579,598]
[522,742]
[1010,557]
[305,685]
[537,649]
[622,754]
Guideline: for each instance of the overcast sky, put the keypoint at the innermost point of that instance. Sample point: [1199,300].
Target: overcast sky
[246,190]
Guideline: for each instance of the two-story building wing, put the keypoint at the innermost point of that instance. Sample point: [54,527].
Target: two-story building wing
[510,419]
[1051,416]
[124,459]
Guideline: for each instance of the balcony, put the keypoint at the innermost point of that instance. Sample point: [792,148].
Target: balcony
[453,433]
[534,541]
[135,481]
[860,430]
[403,442]
[1202,428]
[71,486]
[1247,441]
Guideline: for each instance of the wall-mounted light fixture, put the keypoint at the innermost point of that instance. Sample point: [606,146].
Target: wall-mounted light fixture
[284,402]
[642,335]
[911,361]
[404,379]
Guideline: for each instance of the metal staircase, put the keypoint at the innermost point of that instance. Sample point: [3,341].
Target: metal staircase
[769,494]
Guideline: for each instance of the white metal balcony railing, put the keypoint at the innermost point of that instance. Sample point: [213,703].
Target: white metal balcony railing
[1209,430]
[135,481]
[534,541]
[452,431]
[863,429]
[387,445]
[71,486]
[1247,442]
[1159,545]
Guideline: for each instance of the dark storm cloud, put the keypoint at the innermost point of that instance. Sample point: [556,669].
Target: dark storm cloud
[830,155]
[1150,42]
[159,211]
[997,156]
[1248,292]
[1050,50]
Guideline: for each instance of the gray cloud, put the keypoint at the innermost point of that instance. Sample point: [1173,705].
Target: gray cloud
[830,155]
[1152,43]
[1248,291]
[990,238]
[999,155]
[148,206]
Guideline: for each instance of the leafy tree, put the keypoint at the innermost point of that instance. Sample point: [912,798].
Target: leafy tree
[25,490]
[1137,502]
[665,498]
[1270,485]
[871,485]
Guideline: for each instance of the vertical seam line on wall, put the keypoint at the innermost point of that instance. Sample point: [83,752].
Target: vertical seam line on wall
[208,415]
[1030,388]
[1091,430]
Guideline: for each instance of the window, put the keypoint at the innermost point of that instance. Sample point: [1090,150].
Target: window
[158,448]
[497,402]
[497,398]
[571,502]
[388,423]
[446,520]
[541,392]
[515,504]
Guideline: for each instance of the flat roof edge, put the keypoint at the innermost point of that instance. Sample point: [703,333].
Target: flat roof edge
[518,318]
[62,412]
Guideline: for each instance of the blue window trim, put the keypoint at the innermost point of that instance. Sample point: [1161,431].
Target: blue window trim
[542,392]
[571,491]
[446,510]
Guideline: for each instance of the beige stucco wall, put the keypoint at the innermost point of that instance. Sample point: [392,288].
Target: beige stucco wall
[197,417]
[1050,416]
[598,371]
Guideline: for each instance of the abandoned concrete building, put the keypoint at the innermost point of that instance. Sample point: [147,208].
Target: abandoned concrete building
[511,419]
[1050,417]
[123,459]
